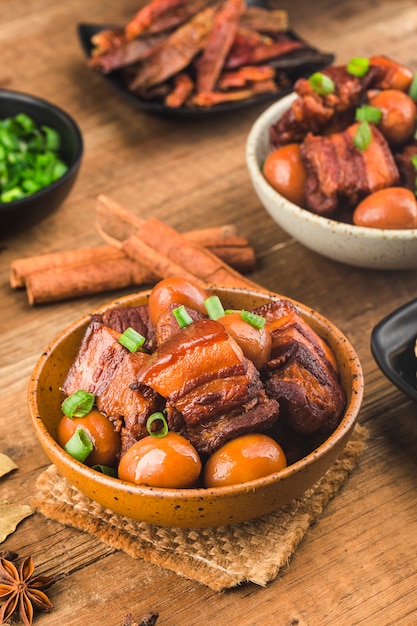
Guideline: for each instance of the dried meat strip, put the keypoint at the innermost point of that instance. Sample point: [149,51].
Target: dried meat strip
[218,44]
[175,53]
[111,50]
[244,76]
[182,89]
[213,98]
[251,54]
[264,20]
[161,15]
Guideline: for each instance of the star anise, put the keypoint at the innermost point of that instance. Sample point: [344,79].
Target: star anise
[20,590]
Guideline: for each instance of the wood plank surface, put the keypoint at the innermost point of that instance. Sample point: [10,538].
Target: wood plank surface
[358,565]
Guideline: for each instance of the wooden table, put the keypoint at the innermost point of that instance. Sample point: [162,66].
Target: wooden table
[358,565]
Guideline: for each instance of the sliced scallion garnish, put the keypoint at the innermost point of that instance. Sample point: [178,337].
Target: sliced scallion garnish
[183,318]
[78,404]
[363,136]
[157,417]
[321,83]
[214,307]
[131,339]
[258,321]
[105,469]
[412,92]
[368,113]
[358,66]
[80,445]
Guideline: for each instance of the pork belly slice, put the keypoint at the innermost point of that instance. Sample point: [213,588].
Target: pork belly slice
[212,391]
[406,166]
[389,74]
[136,317]
[167,324]
[108,370]
[313,113]
[339,174]
[302,372]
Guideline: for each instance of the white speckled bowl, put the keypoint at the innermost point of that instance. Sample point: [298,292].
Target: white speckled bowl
[354,245]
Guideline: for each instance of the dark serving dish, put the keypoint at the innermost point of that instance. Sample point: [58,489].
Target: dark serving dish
[392,345]
[295,65]
[28,211]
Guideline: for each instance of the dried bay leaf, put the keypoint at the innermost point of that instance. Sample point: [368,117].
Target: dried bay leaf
[10,516]
[6,464]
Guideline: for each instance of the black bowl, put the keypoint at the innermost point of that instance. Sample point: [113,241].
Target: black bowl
[392,343]
[28,211]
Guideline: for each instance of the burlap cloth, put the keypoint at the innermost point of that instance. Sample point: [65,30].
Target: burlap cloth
[221,557]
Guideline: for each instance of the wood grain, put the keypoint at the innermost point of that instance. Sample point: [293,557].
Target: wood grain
[358,565]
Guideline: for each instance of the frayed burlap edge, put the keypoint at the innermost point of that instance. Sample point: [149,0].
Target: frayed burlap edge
[219,558]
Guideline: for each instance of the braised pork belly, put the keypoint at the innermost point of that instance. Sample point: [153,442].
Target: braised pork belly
[301,373]
[339,175]
[212,391]
[108,370]
[167,324]
[136,317]
[318,113]
[209,390]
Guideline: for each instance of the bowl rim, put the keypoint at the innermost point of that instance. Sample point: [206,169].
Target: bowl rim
[346,424]
[257,131]
[19,96]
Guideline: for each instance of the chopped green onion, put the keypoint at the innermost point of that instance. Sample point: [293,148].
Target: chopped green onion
[368,113]
[27,153]
[321,83]
[78,404]
[105,469]
[412,92]
[358,66]
[25,122]
[131,339]
[12,194]
[363,136]
[157,417]
[80,445]
[214,307]
[182,317]
[258,321]
[52,140]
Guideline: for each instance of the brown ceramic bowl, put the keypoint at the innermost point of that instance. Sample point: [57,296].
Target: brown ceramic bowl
[200,507]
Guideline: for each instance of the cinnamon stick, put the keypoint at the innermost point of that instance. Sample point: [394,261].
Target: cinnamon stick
[102,266]
[149,251]
[20,269]
[164,250]
[116,224]
[75,281]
